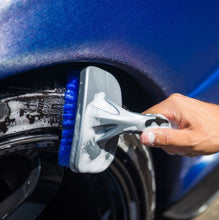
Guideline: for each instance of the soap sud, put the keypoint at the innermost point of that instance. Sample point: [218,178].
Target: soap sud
[131,128]
[51,93]
[98,163]
[122,144]
[21,122]
[154,125]
[100,102]
[151,135]
[151,138]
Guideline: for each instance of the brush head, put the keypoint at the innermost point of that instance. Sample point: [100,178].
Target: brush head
[87,156]
[69,115]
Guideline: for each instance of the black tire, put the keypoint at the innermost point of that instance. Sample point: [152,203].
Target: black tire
[126,190]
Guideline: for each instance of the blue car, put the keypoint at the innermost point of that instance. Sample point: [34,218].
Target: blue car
[153,48]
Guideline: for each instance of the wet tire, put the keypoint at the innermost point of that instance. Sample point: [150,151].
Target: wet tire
[126,190]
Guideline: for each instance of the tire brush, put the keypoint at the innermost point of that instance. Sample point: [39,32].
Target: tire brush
[78,149]
[92,126]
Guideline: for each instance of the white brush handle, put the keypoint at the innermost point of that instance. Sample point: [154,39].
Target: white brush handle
[121,121]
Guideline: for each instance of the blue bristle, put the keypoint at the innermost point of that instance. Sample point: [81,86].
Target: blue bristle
[67,123]
[70,97]
[67,133]
[69,114]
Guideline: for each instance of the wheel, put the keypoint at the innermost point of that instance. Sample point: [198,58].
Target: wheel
[126,190]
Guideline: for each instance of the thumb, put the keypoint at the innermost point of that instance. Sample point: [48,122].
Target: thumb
[166,137]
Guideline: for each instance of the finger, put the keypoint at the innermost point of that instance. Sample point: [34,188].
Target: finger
[166,137]
[169,107]
[165,111]
[170,150]
[178,151]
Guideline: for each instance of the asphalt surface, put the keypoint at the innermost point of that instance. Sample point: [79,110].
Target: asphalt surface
[211,213]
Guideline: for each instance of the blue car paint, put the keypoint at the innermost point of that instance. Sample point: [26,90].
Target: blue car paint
[195,169]
[191,172]
[174,43]
[160,39]
[206,85]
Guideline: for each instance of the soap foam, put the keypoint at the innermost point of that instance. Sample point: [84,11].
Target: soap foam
[92,158]
[151,138]
[151,135]
[100,102]
[21,123]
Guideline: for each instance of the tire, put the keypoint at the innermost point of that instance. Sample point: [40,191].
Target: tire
[126,190]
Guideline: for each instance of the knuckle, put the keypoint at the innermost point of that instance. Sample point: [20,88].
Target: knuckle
[175,96]
[194,140]
[165,138]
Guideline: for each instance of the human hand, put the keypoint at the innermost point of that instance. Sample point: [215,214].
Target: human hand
[197,125]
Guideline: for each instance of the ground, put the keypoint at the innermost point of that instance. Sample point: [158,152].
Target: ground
[211,213]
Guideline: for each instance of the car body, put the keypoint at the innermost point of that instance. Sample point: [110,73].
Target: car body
[162,47]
